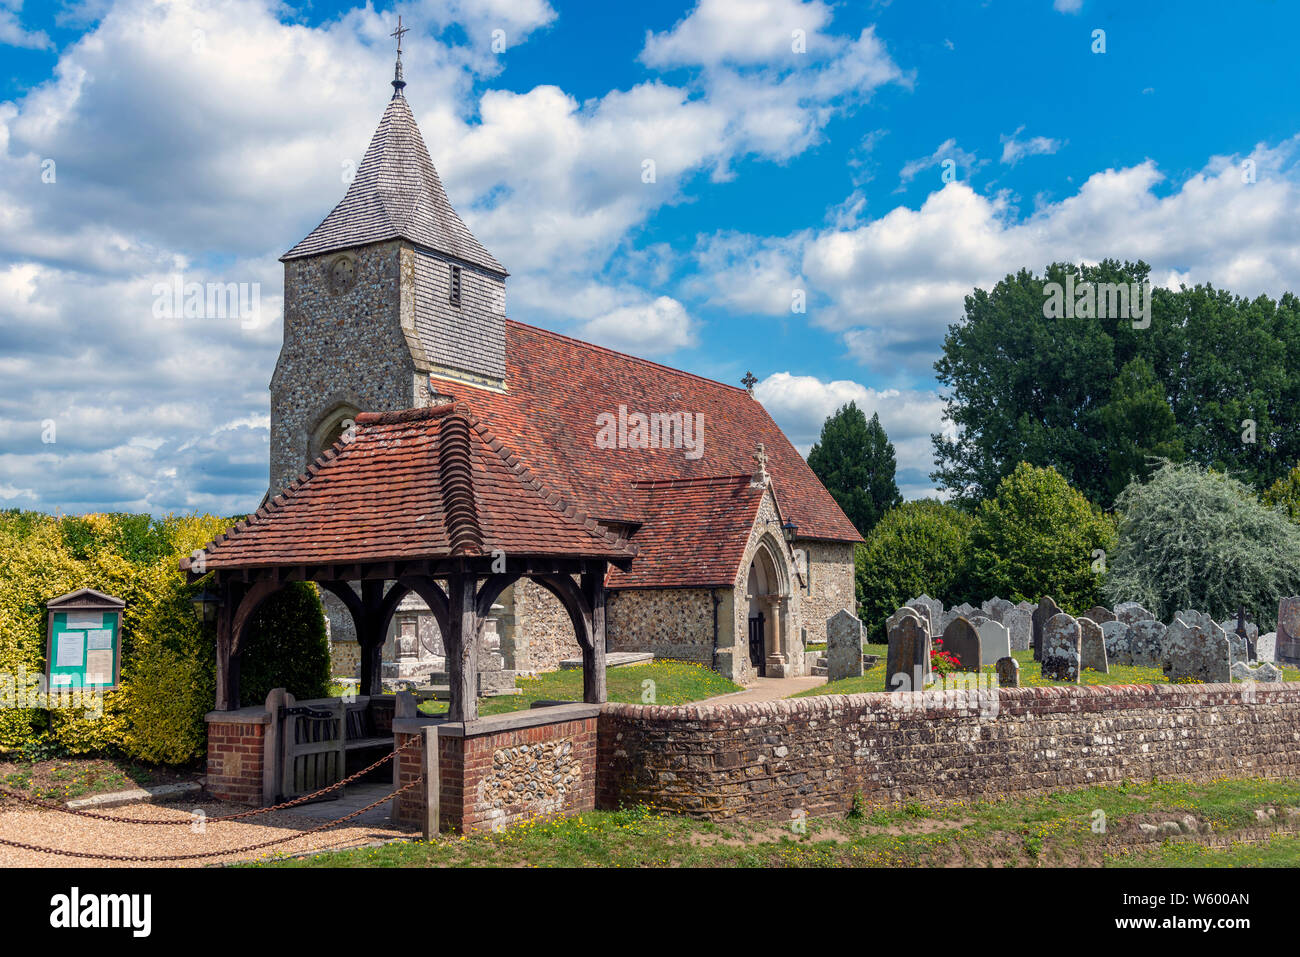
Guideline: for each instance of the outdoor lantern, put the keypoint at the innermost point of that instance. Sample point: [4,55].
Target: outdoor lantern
[790,529]
[205,606]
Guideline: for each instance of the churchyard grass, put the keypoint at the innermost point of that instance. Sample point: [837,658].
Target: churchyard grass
[1031,675]
[67,778]
[1052,830]
[674,682]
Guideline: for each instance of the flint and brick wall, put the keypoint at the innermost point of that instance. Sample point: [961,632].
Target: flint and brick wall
[765,761]
[500,773]
[236,742]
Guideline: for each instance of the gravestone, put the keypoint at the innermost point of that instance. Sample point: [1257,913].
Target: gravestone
[1193,651]
[1118,636]
[1264,673]
[1241,644]
[995,641]
[843,646]
[935,607]
[1020,623]
[1046,610]
[997,608]
[908,662]
[923,610]
[1092,647]
[962,641]
[1144,648]
[1286,648]
[1008,672]
[1100,614]
[893,620]
[1266,646]
[1061,648]
[1130,611]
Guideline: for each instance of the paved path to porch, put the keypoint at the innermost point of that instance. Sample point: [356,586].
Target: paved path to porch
[767,689]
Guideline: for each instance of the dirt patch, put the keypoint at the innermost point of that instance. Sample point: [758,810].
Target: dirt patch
[923,825]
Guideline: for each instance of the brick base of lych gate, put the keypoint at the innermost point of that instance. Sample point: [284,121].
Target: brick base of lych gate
[500,770]
[236,754]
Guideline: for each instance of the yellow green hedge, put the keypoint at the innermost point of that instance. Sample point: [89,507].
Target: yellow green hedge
[167,678]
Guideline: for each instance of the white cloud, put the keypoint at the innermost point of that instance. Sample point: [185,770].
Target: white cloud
[659,327]
[13,33]
[739,32]
[801,404]
[1067,6]
[1014,150]
[946,151]
[891,285]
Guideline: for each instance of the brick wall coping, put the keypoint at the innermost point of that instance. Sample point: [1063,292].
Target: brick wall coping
[1012,700]
[494,724]
[254,714]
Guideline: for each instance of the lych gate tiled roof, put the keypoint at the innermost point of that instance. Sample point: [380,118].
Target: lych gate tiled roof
[424,483]
[694,532]
[556,387]
[396,193]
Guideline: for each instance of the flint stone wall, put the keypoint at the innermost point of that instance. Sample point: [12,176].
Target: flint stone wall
[765,761]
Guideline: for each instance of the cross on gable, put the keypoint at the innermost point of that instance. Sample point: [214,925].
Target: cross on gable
[761,457]
[749,382]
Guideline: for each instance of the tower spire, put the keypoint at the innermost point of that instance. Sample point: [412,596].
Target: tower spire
[398,82]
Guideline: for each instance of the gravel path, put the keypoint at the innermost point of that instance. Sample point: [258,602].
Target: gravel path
[54,829]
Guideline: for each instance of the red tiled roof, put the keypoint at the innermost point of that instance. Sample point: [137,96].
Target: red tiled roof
[695,532]
[424,483]
[557,386]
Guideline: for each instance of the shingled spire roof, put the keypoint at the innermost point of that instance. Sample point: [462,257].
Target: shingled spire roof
[396,194]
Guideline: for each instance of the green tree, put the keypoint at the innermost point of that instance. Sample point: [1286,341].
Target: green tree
[1024,386]
[1194,538]
[1038,536]
[1285,492]
[918,547]
[855,461]
[287,647]
[1138,426]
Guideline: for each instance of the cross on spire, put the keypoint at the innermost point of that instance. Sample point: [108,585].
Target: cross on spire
[398,82]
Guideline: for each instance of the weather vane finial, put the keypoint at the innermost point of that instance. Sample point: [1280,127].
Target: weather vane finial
[398,82]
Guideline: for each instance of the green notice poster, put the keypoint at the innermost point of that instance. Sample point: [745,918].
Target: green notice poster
[84,649]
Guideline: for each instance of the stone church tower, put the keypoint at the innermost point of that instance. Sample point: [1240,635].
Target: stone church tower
[390,288]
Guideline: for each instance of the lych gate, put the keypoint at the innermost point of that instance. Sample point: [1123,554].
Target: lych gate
[425,501]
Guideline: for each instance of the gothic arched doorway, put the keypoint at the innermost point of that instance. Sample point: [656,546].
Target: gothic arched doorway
[767,591]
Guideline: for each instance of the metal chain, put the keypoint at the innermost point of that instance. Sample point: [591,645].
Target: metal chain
[253,812]
[151,859]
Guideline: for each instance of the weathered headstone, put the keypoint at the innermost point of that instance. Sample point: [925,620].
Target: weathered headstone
[1118,636]
[1130,611]
[1046,610]
[1100,614]
[1092,647]
[1008,670]
[893,620]
[995,641]
[1193,651]
[1286,649]
[1020,623]
[1265,673]
[843,646]
[996,609]
[922,609]
[1144,648]
[1061,648]
[907,663]
[962,641]
[1266,647]
[936,610]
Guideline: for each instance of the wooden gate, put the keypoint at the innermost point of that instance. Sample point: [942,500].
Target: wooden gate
[756,656]
[314,754]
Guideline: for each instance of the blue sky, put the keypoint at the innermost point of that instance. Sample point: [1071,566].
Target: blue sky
[202,138]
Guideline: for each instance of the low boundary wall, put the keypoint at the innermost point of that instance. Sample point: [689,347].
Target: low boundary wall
[769,760]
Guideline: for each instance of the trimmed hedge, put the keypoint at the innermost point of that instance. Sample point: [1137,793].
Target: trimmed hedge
[167,677]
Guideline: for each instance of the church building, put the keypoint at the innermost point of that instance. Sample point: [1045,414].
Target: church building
[391,303]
